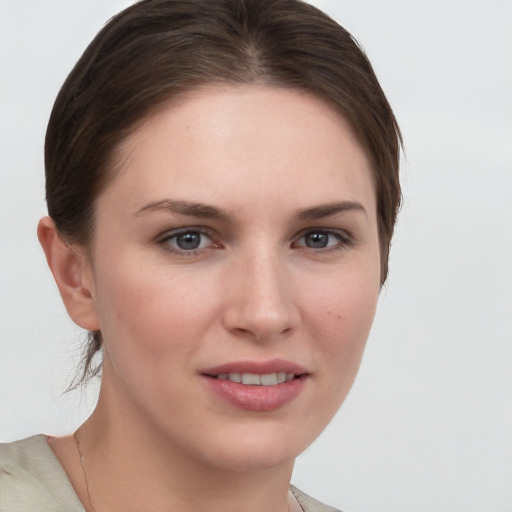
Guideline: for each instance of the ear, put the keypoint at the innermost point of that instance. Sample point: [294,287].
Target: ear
[72,272]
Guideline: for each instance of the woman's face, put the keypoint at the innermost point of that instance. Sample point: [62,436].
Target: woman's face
[237,242]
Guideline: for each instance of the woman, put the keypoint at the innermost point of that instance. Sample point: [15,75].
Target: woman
[222,186]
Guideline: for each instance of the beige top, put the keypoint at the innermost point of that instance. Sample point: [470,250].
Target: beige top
[32,479]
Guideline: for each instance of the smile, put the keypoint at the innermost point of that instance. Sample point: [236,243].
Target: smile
[254,379]
[257,386]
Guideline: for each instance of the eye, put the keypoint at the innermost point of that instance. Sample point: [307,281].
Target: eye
[186,240]
[319,239]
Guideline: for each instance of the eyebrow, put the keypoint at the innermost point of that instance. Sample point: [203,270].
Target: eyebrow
[329,209]
[186,208]
[193,209]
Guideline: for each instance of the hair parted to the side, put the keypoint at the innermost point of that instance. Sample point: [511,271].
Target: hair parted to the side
[157,49]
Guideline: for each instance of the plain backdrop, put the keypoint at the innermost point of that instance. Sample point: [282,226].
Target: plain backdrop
[428,424]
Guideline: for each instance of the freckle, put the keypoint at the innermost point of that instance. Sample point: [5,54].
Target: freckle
[339,317]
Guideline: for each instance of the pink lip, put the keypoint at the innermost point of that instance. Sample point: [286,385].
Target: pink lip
[256,398]
[258,367]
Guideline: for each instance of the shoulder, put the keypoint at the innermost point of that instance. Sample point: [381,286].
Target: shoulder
[31,478]
[309,504]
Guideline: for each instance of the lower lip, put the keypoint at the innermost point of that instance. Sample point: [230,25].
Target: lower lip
[256,398]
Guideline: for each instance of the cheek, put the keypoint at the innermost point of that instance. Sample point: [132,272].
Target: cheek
[343,312]
[145,311]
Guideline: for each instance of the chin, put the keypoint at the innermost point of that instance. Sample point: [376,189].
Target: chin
[256,447]
[243,459]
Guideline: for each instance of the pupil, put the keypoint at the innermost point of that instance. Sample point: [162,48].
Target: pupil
[188,241]
[317,240]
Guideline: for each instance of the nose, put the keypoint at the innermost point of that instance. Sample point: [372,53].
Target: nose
[260,301]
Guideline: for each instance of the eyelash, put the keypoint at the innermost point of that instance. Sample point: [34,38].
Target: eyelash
[165,240]
[343,240]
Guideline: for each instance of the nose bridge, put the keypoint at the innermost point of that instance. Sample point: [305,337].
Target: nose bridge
[261,301]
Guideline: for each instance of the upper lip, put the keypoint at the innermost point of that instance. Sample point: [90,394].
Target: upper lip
[257,367]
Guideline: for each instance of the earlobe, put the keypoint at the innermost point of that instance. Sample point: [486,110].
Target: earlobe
[70,270]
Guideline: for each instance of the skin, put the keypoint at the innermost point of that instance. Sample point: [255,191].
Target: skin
[253,291]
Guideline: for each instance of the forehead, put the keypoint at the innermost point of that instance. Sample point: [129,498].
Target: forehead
[230,142]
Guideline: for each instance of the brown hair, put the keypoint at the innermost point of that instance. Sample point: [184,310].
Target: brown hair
[157,49]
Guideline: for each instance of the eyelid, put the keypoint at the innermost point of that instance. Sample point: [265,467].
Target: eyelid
[164,238]
[170,233]
[343,236]
[345,239]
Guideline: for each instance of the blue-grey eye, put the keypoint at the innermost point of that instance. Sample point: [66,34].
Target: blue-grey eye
[320,239]
[317,240]
[190,240]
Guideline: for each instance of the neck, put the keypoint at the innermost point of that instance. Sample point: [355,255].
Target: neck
[131,466]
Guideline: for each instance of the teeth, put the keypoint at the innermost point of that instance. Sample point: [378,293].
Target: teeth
[254,379]
[235,377]
[269,379]
[251,378]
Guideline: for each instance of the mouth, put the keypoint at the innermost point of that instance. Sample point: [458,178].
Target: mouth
[257,373]
[256,386]
[255,379]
